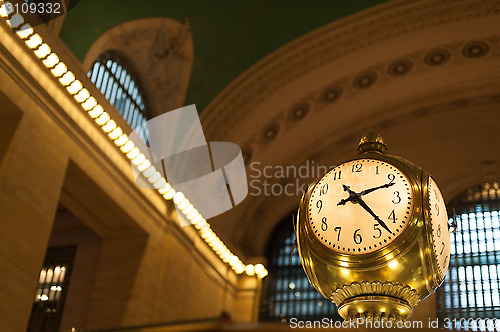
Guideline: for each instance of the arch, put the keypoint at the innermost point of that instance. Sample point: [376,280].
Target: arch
[114,77]
[414,71]
[162,56]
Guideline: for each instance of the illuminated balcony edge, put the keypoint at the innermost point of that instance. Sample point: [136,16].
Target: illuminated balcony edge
[88,103]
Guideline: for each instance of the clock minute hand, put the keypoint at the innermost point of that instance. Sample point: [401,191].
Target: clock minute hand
[367,208]
[367,191]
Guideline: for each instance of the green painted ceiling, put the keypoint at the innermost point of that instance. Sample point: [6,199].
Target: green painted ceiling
[229,35]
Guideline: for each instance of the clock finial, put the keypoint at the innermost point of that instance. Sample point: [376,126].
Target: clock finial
[372,142]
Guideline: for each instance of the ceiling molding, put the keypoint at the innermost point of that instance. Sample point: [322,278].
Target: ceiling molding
[402,67]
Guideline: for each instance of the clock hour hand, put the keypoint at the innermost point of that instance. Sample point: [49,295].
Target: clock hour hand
[348,189]
[367,191]
[367,208]
[352,196]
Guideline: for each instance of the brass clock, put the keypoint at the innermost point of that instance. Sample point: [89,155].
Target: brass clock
[373,234]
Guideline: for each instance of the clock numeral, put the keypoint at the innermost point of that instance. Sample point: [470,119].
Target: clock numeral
[436,194]
[442,248]
[319,205]
[338,229]
[438,232]
[357,168]
[392,216]
[357,237]
[445,260]
[396,200]
[324,189]
[324,225]
[376,170]
[437,209]
[375,227]
[337,175]
[391,178]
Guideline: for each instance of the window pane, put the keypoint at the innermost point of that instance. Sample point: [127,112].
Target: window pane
[287,292]
[117,82]
[50,294]
[470,289]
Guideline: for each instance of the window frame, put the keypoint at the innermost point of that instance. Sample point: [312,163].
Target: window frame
[285,268]
[114,75]
[474,259]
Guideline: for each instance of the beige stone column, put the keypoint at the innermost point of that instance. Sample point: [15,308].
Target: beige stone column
[31,175]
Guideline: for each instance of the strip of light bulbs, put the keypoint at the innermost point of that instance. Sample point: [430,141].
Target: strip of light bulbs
[89,104]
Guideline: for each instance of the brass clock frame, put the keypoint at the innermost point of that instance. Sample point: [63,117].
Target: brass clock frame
[434,267]
[389,281]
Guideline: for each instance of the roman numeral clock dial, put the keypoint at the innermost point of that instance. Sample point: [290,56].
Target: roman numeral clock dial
[360,206]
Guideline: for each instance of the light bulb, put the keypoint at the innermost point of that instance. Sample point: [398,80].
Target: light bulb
[34,41]
[89,104]
[263,274]
[43,51]
[82,95]
[15,21]
[179,197]
[96,111]
[115,133]
[250,270]
[103,119]
[182,205]
[127,146]
[133,153]
[122,140]
[137,160]
[144,165]
[67,78]
[169,194]
[259,268]
[74,87]
[5,10]
[25,31]
[155,177]
[162,183]
[149,171]
[59,70]
[193,215]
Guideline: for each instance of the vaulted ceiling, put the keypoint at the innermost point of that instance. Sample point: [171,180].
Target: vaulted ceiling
[228,36]
[296,85]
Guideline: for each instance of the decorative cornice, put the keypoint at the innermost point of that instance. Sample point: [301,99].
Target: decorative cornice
[388,66]
[334,41]
[387,288]
[420,62]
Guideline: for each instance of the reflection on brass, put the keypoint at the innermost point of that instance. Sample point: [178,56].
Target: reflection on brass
[396,290]
[375,307]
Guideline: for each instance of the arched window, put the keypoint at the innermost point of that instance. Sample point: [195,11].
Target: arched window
[471,288]
[118,83]
[287,293]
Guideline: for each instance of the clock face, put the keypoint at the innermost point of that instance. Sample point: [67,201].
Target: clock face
[439,223]
[360,206]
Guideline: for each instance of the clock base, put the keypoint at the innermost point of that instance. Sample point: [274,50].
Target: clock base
[375,308]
